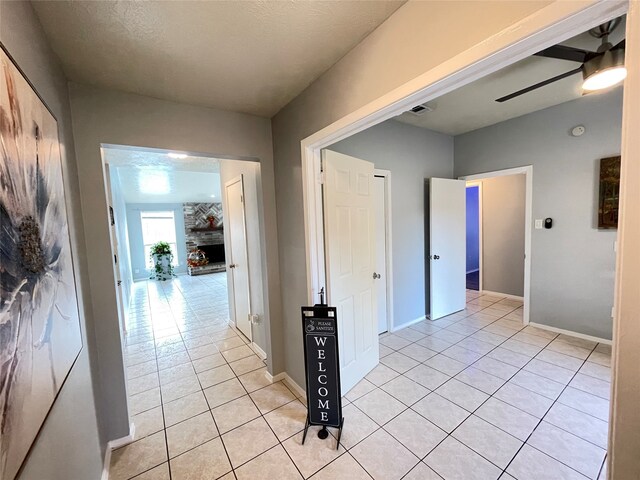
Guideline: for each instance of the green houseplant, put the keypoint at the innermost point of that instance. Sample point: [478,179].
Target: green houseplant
[162,257]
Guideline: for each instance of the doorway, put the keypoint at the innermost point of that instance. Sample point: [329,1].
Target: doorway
[474,235]
[384,271]
[504,217]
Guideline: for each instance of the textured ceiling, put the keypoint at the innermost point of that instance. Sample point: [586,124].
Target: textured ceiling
[151,176]
[473,106]
[244,56]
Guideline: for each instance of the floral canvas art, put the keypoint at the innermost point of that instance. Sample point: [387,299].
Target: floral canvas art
[40,335]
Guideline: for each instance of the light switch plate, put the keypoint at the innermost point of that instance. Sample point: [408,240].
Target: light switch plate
[539,223]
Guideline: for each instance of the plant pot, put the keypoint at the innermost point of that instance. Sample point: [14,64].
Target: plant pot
[163,269]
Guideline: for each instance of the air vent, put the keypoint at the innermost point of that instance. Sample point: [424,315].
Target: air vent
[421,109]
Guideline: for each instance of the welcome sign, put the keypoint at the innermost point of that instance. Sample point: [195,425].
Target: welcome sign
[322,366]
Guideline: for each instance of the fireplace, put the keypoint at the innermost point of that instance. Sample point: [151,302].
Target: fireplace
[214,253]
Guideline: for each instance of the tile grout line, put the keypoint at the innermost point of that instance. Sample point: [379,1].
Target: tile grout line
[542,419]
[489,397]
[399,374]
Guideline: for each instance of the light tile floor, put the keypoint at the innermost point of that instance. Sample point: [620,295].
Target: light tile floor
[471,396]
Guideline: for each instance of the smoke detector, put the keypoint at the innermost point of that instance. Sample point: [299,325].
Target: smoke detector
[421,109]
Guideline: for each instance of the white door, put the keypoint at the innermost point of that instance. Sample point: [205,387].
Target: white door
[349,202]
[122,314]
[236,253]
[447,246]
[381,251]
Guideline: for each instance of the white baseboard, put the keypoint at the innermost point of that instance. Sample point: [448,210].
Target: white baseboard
[284,376]
[570,333]
[112,445]
[396,328]
[499,294]
[261,353]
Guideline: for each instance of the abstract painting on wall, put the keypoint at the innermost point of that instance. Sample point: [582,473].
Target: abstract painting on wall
[40,335]
[609,192]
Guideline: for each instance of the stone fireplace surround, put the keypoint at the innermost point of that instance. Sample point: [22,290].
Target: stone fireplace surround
[198,232]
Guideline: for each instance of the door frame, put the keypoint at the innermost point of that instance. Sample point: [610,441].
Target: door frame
[472,183]
[386,174]
[230,285]
[528,218]
[548,26]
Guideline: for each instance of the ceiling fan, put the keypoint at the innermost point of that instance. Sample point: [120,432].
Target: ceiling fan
[601,69]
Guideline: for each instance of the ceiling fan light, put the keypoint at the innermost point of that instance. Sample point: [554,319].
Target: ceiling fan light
[604,71]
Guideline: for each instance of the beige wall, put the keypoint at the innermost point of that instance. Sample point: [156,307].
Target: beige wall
[69,445]
[101,116]
[503,205]
[418,37]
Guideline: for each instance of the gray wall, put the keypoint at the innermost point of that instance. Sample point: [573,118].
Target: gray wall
[392,55]
[411,154]
[230,169]
[572,265]
[503,208]
[136,245]
[69,445]
[108,117]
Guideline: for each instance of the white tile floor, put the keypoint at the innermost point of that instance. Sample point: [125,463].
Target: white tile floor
[471,396]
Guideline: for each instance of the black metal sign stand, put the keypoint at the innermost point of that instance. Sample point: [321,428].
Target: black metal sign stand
[322,369]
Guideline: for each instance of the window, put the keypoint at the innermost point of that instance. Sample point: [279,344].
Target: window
[158,227]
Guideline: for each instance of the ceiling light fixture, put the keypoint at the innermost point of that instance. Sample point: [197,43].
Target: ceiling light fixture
[177,155]
[604,71]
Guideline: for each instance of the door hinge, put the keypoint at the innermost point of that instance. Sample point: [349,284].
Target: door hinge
[241,198]
[119,282]
[113,220]
[115,258]
[321,178]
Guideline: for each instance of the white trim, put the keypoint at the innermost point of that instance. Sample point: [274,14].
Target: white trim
[112,445]
[480,245]
[548,26]
[386,174]
[106,464]
[500,294]
[259,351]
[301,392]
[408,324]
[284,376]
[528,219]
[570,333]
[274,378]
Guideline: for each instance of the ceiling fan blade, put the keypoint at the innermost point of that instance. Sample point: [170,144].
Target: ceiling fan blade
[540,84]
[563,52]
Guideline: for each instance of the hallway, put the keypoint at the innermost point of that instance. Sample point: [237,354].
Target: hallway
[502,400]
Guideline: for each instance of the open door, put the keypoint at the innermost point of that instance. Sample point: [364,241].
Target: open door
[122,312]
[351,257]
[447,246]
[237,257]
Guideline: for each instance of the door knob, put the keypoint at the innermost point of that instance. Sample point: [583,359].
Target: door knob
[233,265]
[435,257]
[376,275]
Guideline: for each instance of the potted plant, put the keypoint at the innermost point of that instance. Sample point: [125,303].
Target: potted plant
[162,257]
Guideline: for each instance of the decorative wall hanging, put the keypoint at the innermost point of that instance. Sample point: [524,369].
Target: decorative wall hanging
[609,192]
[40,336]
